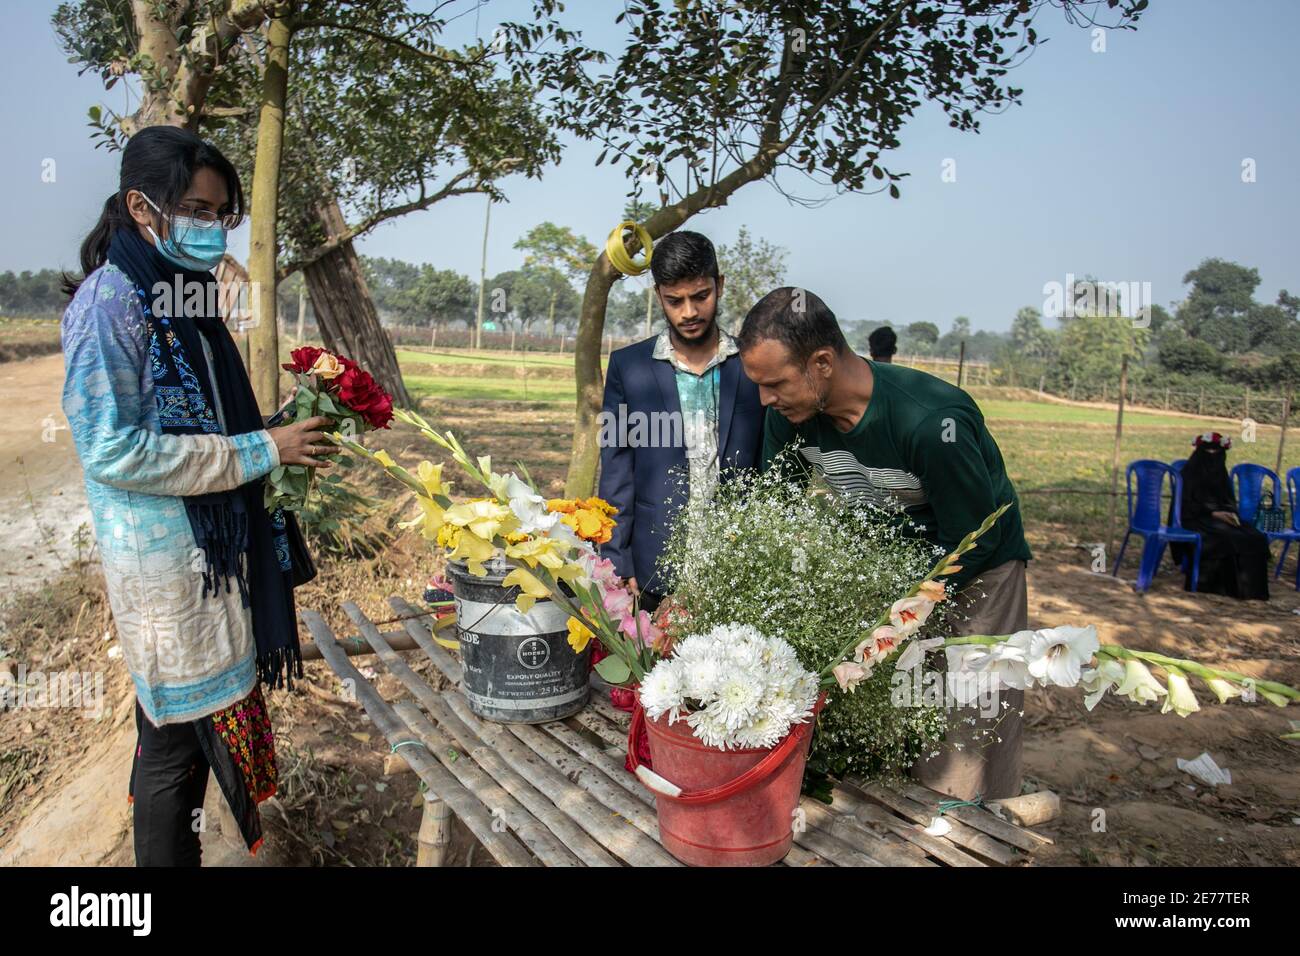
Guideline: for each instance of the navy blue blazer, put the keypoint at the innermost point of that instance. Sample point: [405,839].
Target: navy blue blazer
[647,483]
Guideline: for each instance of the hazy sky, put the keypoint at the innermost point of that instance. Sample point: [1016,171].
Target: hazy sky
[1125,164]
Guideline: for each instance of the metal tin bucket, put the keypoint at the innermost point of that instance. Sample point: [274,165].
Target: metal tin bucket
[518,668]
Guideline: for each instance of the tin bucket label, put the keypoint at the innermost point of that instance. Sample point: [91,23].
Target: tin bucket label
[519,662]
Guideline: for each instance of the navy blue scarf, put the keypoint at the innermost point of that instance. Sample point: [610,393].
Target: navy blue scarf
[239,538]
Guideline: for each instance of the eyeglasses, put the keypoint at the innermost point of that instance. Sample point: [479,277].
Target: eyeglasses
[205,218]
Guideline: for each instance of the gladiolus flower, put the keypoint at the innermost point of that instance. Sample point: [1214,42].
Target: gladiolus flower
[932,590]
[1180,700]
[1223,689]
[1057,655]
[385,459]
[579,635]
[530,589]
[908,614]
[849,674]
[1139,685]
[1096,681]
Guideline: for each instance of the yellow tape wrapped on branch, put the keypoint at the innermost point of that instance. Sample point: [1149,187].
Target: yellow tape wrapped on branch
[617,250]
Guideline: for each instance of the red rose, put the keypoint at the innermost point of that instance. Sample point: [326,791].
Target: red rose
[361,393]
[304,358]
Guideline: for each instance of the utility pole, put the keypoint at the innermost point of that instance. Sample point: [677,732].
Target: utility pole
[482,278]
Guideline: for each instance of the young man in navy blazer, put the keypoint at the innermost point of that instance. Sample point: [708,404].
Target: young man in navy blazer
[679,413]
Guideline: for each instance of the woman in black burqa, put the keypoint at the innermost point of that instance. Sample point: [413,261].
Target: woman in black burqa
[1234,555]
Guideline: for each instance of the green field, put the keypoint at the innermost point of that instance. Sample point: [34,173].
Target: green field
[1059,456]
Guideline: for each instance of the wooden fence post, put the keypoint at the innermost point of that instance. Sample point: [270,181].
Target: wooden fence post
[1281,439]
[1114,464]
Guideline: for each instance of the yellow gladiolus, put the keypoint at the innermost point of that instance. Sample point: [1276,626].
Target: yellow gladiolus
[384,459]
[579,635]
[473,550]
[544,551]
[429,520]
[430,476]
[485,518]
[530,589]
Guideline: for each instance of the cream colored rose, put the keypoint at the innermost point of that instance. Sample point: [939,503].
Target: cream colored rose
[327,367]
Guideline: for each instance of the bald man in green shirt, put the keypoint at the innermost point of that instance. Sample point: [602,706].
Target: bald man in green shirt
[901,439]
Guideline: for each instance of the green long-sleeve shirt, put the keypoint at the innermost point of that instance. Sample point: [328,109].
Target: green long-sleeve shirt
[922,445]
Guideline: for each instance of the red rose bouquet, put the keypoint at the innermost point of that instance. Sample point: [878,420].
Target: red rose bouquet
[338,388]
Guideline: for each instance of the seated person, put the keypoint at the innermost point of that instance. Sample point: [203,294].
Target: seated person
[1234,555]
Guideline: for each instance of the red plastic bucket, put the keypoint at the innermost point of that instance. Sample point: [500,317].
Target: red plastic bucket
[737,806]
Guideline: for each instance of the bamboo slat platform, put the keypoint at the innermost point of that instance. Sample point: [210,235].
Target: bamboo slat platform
[556,794]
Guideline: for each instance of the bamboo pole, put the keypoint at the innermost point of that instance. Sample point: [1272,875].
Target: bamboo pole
[435,833]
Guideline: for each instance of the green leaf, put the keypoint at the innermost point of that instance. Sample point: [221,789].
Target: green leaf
[614,670]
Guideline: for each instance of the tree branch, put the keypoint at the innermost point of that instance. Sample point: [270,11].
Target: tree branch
[392,212]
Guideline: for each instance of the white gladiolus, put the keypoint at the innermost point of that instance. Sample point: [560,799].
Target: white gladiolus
[1180,700]
[1139,685]
[1223,689]
[1057,655]
[1096,681]
[1003,662]
[914,652]
[733,686]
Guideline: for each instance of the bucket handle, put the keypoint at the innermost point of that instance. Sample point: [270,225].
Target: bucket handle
[754,775]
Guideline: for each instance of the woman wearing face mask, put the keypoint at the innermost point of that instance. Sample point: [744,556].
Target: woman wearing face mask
[1234,555]
[174,451]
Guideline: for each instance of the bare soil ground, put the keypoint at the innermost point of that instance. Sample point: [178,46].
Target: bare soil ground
[63,776]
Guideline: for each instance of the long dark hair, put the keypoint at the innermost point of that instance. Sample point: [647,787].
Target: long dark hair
[160,161]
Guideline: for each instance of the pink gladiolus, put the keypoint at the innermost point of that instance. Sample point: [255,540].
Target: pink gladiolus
[932,590]
[618,602]
[848,674]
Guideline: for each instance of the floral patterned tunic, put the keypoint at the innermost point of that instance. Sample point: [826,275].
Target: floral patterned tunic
[189,655]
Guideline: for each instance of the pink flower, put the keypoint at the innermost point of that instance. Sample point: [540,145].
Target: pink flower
[618,602]
[649,633]
[848,674]
[878,643]
[932,590]
[908,614]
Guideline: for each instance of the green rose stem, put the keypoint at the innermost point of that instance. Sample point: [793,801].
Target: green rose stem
[942,567]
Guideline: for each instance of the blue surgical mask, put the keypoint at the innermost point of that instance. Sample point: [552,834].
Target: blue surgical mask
[190,244]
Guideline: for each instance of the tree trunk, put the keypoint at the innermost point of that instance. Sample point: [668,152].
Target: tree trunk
[585,459]
[264,336]
[345,313]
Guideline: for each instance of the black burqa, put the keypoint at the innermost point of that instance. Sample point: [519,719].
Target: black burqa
[1234,559]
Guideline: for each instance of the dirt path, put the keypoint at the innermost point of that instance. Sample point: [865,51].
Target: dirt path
[41,490]
[1124,800]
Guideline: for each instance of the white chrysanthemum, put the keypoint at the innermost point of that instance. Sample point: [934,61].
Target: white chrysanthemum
[747,689]
[709,729]
[700,676]
[738,698]
[661,691]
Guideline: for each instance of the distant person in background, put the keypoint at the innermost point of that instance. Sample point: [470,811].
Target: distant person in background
[1234,555]
[882,343]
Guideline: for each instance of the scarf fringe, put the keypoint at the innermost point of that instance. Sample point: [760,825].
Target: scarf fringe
[278,667]
[224,543]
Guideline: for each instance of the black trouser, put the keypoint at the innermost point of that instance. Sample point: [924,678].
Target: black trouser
[168,781]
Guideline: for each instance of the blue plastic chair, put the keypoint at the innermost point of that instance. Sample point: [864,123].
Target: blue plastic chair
[1144,519]
[1248,484]
[1293,499]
